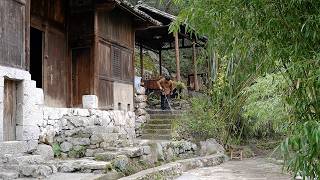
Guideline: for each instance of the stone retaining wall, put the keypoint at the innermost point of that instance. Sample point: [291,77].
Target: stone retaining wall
[83,132]
[142,115]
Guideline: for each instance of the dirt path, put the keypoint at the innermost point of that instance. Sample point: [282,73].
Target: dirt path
[249,169]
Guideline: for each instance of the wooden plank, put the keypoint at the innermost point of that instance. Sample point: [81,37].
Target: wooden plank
[55,70]
[56,11]
[126,66]
[116,27]
[104,59]
[12,34]
[80,74]
[81,29]
[176,38]
[195,72]
[10,110]
[27,34]
[105,94]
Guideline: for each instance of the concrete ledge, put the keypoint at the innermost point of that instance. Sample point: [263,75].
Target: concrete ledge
[175,169]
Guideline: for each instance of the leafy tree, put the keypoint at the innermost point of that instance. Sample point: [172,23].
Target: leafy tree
[265,109]
[248,39]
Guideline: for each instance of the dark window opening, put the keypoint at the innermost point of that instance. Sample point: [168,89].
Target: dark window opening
[36,55]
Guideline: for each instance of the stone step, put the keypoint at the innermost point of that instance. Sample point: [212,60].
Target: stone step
[160,121]
[7,174]
[130,152]
[156,131]
[13,147]
[164,116]
[156,136]
[77,176]
[30,170]
[84,165]
[26,159]
[157,126]
[173,112]
[107,156]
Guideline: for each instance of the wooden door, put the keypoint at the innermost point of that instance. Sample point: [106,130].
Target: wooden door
[80,75]
[9,110]
[55,68]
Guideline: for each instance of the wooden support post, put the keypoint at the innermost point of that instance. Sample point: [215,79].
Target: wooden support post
[194,59]
[176,37]
[27,35]
[160,63]
[141,62]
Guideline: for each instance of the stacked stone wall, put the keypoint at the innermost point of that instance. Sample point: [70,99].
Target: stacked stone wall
[142,115]
[83,132]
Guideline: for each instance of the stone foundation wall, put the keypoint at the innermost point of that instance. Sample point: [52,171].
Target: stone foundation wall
[142,115]
[83,132]
[71,129]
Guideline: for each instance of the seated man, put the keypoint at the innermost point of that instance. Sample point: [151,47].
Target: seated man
[166,87]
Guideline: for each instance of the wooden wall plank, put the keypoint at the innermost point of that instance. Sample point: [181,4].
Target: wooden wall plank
[80,74]
[55,68]
[104,59]
[105,94]
[12,34]
[116,27]
[127,66]
[9,110]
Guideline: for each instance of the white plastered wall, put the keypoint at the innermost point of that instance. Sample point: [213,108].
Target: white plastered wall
[29,104]
[123,95]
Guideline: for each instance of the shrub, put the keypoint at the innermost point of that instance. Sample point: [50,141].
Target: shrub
[200,122]
[77,152]
[56,149]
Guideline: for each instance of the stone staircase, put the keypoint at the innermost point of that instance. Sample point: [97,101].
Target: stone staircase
[24,159]
[159,127]
[19,160]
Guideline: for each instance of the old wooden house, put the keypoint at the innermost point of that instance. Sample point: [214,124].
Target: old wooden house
[53,52]
[73,48]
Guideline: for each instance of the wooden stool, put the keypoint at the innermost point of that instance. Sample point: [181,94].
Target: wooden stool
[236,153]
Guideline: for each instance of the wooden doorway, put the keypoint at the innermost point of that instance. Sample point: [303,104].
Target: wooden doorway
[9,110]
[36,56]
[80,75]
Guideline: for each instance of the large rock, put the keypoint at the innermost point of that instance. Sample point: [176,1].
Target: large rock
[80,141]
[210,146]
[121,162]
[107,156]
[66,146]
[35,170]
[141,98]
[32,145]
[83,165]
[141,91]
[45,151]
[133,152]
[28,159]
[5,174]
